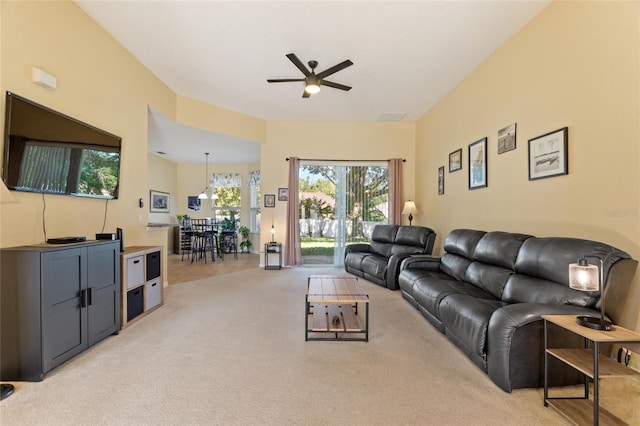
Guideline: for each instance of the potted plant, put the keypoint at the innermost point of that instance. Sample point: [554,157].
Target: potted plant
[245,244]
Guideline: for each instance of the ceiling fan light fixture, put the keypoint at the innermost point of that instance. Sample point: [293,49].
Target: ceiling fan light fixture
[312,88]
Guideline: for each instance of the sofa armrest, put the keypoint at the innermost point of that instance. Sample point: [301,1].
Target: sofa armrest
[394,268]
[515,343]
[360,247]
[421,261]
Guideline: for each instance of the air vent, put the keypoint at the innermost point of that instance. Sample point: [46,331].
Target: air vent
[392,116]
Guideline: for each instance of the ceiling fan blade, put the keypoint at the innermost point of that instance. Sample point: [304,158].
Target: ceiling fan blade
[334,85]
[335,69]
[305,94]
[283,80]
[293,58]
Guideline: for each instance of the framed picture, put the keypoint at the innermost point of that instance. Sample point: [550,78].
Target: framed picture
[507,139]
[478,164]
[548,155]
[193,203]
[269,200]
[159,202]
[455,161]
[441,180]
[283,194]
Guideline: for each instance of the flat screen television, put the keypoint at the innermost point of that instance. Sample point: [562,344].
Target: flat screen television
[48,152]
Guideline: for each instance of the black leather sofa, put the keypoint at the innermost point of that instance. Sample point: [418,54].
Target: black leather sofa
[487,293]
[379,261]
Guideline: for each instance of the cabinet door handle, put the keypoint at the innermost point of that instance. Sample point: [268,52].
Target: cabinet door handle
[90,296]
[83,298]
[136,261]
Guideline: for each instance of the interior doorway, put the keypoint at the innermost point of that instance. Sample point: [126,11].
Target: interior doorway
[340,203]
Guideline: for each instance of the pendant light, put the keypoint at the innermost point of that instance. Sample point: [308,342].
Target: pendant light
[204,195]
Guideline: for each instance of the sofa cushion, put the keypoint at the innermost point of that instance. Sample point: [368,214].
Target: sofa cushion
[375,266]
[488,277]
[462,242]
[499,248]
[433,287]
[354,259]
[382,239]
[454,265]
[549,258]
[522,288]
[408,278]
[413,236]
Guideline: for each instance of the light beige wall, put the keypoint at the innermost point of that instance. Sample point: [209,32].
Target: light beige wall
[578,65]
[99,82]
[333,141]
[163,176]
[194,113]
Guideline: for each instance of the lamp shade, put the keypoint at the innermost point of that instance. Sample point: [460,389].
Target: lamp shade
[6,196]
[583,276]
[203,195]
[409,208]
[312,88]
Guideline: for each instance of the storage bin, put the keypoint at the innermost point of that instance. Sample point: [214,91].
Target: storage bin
[153,265]
[152,294]
[135,303]
[135,271]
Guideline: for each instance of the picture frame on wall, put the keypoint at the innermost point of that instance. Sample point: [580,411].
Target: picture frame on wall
[159,201]
[193,203]
[548,154]
[478,164]
[441,180]
[507,139]
[269,200]
[455,160]
[283,194]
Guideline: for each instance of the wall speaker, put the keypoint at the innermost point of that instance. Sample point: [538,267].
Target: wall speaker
[44,79]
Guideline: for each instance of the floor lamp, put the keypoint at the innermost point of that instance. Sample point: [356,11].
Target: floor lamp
[6,197]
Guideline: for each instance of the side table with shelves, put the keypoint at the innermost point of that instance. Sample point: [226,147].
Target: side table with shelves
[588,361]
[272,250]
[141,280]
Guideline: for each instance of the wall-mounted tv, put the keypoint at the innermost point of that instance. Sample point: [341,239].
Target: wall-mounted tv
[48,152]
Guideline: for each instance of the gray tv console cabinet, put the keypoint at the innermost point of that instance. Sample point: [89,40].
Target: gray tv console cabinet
[55,302]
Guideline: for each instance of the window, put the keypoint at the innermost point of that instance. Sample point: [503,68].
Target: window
[227,206]
[254,187]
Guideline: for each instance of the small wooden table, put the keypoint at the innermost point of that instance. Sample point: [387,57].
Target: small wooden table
[331,307]
[589,361]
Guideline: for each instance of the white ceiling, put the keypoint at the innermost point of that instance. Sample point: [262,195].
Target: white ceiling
[406,55]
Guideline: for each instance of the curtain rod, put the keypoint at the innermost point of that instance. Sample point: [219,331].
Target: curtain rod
[322,159]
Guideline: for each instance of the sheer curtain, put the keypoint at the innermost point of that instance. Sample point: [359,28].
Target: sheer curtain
[395,191]
[293,256]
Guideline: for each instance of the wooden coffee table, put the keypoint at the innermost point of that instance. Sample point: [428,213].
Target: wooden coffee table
[331,308]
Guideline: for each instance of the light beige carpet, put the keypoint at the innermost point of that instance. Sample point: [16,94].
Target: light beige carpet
[230,350]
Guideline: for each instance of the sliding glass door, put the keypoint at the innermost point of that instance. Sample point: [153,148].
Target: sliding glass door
[340,203]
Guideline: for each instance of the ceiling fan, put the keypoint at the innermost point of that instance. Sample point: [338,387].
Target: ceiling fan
[312,80]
